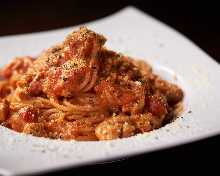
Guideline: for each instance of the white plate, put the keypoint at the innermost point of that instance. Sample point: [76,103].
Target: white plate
[139,35]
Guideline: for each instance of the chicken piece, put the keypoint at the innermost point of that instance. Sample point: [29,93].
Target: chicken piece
[36,129]
[125,126]
[157,105]
[66,69]
[121,65]
[83,43]
[172,92]
[18,66]
[119,92]
[115,127]
[147,122]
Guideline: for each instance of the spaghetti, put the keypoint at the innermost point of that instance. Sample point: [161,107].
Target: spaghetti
[81,90]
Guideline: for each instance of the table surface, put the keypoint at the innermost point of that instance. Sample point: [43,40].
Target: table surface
[199,22]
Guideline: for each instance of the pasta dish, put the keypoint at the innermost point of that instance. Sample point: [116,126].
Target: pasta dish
[83,91]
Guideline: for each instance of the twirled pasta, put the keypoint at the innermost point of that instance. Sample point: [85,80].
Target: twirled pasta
[81,90]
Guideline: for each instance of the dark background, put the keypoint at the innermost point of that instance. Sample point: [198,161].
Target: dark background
[198,20]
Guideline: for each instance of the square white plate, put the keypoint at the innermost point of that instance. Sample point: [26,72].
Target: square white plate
[136,34]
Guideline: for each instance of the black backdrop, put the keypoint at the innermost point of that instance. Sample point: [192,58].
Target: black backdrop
[198,20]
